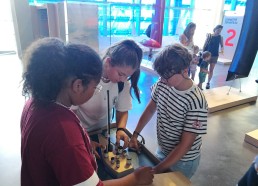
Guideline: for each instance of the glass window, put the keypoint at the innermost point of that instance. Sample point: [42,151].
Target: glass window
[235,5]
[186,2]
[120,1]
[148,2]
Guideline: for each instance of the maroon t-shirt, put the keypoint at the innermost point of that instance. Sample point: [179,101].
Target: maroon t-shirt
[55,150]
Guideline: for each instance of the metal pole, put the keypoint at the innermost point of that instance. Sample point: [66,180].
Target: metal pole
[110,147]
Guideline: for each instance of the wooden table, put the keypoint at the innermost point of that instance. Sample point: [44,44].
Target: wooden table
[170,179]
[219,98]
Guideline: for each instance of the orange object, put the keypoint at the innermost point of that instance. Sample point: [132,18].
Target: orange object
[150,43]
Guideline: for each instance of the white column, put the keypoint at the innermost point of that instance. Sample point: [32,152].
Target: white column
[22,24]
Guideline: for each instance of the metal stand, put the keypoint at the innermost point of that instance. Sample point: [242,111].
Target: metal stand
[233,82]
[109,146]
[7,53]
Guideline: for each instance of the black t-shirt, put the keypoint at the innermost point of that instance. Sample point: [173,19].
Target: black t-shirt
[213,46]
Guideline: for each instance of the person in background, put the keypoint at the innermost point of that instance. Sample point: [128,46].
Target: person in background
[212,43]
[204,68]
[181,113]
[55,149]
[194,62]
[121,64]
[148,31]
[186,39]
[148,34]
[251,176]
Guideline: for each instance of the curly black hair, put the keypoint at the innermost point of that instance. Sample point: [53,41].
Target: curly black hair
[84,63]
[49,63]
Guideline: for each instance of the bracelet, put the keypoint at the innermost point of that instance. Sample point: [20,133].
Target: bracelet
[137,133]
[120,129]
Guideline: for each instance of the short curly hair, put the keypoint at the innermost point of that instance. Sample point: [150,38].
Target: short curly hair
[172,59]
[206,54]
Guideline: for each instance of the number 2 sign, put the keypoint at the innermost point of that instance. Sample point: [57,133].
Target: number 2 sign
[232,34]
[231,30]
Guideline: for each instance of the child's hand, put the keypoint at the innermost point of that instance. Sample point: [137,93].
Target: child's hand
[144,175]
[222,50]
[134,144]
[121,135]
[95,145]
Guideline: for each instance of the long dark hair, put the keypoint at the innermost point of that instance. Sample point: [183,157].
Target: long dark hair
[187,30]
[127,53]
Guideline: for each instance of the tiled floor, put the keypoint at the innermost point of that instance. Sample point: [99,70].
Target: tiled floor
[225,155]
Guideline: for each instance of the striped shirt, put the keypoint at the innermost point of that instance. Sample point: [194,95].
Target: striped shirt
[179,111]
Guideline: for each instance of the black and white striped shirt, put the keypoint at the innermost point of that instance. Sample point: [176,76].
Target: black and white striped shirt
[179,111]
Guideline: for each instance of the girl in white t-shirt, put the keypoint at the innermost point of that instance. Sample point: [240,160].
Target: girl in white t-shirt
[121,63]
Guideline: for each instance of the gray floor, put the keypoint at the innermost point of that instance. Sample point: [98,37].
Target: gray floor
[225,155]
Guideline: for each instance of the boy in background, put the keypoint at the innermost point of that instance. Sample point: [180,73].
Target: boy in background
[204,68]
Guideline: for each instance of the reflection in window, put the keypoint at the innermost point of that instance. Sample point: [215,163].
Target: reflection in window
[235,5]
[120,1]
[148,2]
[132,17]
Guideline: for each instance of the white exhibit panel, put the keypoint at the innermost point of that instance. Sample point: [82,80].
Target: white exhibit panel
[232,24]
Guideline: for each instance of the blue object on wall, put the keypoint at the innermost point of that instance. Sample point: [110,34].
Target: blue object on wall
[247,45]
